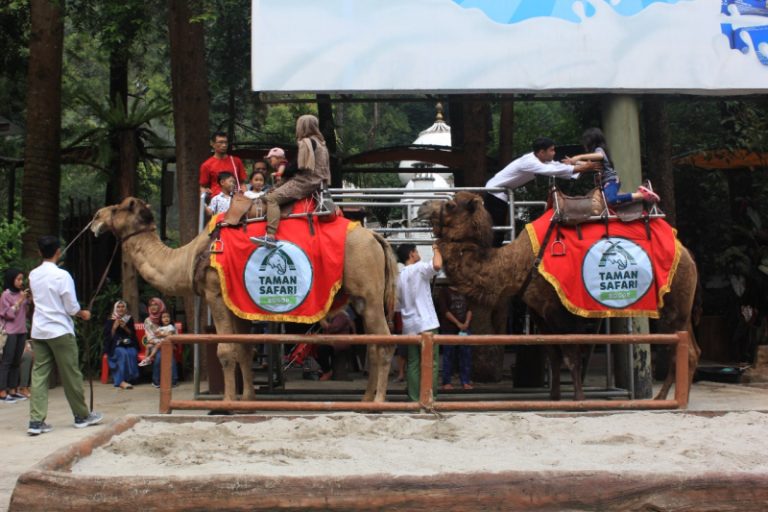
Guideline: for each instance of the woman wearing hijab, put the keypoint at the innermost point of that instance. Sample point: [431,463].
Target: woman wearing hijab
[313,170]
[121,347]
[14,307]
[152,324]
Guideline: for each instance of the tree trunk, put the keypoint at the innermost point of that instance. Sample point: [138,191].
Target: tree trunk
[658,150]
[189,90]
[328,129]
[506,133]
[42,158]
[127,185]
[477,116]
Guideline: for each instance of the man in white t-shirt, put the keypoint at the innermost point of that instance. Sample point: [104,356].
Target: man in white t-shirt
[539,162]
[53,339]
[417,309]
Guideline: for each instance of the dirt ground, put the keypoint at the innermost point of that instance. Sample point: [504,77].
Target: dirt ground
[20,452]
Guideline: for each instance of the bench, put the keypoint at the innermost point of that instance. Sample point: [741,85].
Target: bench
[141,338]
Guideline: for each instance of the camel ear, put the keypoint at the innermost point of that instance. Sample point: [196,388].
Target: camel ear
[132,204]
[472,204]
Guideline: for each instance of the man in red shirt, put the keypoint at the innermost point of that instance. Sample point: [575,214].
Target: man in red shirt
[220,162]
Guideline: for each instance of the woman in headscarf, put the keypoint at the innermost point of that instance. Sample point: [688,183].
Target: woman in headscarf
[152,324]
[121,347]
[14,307]
[313,169]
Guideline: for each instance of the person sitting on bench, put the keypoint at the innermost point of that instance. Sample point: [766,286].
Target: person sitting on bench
[312,171]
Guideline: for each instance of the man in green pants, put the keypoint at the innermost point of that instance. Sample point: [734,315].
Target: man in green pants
[414,301]
[53,339]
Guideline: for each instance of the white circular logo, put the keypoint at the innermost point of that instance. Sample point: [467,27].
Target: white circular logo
[278,279]
[616,272]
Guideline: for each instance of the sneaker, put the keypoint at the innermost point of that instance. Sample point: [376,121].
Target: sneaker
[8,399]
[38,427]
[155,385]
[18,397]
[145,362]
[648,195]
[267,240]
[92,419]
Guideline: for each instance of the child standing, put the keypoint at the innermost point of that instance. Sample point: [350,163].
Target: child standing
[220,202]
[597,149]
[166,329]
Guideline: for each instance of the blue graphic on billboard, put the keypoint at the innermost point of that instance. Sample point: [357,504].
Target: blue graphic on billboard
[514,11]
[756,33]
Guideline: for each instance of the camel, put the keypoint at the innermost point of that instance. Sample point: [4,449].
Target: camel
[369,278]
[490,275]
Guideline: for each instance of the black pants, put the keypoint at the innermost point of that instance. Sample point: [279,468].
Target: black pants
[9,366]
[499,210]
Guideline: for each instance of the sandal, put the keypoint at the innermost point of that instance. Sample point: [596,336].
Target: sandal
[648,194]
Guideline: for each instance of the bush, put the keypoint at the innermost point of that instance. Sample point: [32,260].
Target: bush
[10,242]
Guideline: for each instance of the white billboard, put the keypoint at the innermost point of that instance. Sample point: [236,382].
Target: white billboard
[693,46]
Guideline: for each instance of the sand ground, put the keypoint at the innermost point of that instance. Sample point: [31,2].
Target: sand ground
[20,452]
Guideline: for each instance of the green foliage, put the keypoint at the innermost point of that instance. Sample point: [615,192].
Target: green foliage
[10,242]
[14,36]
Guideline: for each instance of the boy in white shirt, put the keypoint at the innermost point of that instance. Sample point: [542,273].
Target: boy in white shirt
[414,301]
[220,202]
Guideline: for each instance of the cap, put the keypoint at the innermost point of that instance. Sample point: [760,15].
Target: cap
[278,152]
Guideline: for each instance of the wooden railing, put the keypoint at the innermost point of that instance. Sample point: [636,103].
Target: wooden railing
[427,343]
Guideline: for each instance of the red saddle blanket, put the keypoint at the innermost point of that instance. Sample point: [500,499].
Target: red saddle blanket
[623,274]
[293,282]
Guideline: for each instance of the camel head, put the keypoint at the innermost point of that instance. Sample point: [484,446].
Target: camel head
[461,219]
[129,217]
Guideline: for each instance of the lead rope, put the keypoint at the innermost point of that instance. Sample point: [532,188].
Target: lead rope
[90,308]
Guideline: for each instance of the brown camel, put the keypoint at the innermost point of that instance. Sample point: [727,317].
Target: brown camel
[369,279]
[489,275]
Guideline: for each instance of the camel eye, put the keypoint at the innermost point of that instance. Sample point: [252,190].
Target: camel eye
[450,206]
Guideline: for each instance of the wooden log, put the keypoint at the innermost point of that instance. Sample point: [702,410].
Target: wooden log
[551,490]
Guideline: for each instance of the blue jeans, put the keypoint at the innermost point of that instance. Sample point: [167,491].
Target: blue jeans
[612,196]
[124,365]
[156,370]
[465,363]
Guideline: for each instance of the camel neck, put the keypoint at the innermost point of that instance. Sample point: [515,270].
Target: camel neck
[169,270]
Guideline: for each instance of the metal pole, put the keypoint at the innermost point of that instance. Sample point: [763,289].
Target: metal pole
[198,305]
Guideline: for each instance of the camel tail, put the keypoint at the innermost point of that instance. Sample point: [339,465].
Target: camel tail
[390,276]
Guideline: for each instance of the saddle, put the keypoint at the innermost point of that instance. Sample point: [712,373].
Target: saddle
[243,208]
[575,210]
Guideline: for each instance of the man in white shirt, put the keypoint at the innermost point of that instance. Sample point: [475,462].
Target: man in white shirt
[539,162]
[417,309]
[53,339]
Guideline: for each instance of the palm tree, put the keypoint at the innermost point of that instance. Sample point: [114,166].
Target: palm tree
[42,159]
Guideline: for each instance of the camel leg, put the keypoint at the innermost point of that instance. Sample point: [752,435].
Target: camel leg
[572,359]
[694,352]
[244,358]
[555,361]
[379,356]
[228,353]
